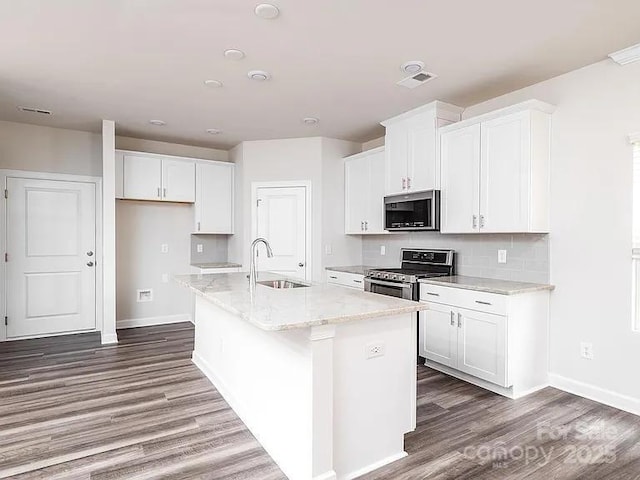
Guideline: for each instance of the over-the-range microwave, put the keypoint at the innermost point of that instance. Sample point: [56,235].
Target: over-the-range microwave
[412,211]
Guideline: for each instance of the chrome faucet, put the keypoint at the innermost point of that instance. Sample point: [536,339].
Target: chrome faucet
[252,268]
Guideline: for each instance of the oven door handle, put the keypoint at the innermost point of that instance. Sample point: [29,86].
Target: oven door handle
[389,284]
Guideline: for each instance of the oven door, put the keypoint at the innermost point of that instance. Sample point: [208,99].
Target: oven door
[391,289]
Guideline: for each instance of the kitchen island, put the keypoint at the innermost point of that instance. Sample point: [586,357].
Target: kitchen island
[323,376]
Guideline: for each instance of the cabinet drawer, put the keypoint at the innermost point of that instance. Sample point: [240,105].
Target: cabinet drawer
[344,279]
[470,299]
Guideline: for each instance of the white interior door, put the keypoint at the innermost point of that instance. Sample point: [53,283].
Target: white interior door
[281,219]
[51,238]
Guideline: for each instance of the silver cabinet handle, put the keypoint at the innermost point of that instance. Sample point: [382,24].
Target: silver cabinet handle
[89,253]
[481,221]
[459,320]
[408,183]
[404,183]
[357,281]
[453,319]
[90,264]
[433,294]
[334,278]
[366,226]
[159,196]
[198,226]
[475,221]
[482,303]
[362,226]
[164,192]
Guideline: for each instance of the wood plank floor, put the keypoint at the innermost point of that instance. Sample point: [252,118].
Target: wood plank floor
[72,409]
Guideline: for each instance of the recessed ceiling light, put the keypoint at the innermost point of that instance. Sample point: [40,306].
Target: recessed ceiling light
[213,131]
[310,121]
[259,75]
[234,54]
[213,83]
[158,123]
[412,66]
[267,11]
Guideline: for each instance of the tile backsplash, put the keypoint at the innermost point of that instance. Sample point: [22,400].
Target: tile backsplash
[476,255]
[214,248]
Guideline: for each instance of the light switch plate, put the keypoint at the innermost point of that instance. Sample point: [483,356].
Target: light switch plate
[165,278]
[502,256]
[327,249]
[383,250]
[164,248]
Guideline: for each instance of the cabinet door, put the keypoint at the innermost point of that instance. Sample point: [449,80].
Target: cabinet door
[504,171]
[178,181]
[375,202]
[395,159]
[482,345]
[214,198]
[422,168]
[142,177]
[356,194]
[460,199]
[438,335]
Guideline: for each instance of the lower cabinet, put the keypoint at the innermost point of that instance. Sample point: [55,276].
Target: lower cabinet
[499,342]
[345,279]
[472,342]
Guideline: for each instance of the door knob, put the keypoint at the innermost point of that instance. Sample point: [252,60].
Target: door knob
[89,264]
[89,253]
[301,264]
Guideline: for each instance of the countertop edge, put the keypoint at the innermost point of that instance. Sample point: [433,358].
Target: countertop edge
[496,291]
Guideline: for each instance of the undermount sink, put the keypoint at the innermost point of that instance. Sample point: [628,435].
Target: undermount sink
[282,284]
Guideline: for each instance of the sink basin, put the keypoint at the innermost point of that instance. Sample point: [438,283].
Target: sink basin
[282,284]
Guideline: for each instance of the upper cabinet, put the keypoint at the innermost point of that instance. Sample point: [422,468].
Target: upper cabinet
[214,197]
[495,171]
[412,148]
[153,177]
[364,192]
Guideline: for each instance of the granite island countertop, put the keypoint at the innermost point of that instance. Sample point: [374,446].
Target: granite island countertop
[216,265]
[355,269]
[284,309]
[489,285]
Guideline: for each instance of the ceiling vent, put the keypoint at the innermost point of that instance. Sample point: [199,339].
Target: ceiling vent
[41,111]
[416,80]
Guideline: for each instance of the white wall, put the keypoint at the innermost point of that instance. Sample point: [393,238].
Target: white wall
[590,238]
[46,149]
[164,148]
[317,160]
[142,227]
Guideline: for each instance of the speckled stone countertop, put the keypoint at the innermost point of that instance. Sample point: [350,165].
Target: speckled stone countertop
[355,269]
[284,309]
[489,285]
[217,265]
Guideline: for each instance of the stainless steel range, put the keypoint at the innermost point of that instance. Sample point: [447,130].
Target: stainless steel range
[416,264]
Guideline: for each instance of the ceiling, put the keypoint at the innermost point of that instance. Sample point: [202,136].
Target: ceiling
[338,60]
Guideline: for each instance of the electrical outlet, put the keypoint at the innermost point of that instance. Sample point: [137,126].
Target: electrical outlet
[375,349]
[145,295]
[199,248]
[586,350]
[383,250]
[164,248]
[328,250]
[165,278]
[502,256]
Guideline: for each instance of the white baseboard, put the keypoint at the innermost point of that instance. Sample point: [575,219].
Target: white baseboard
[149,321]
[374,466]
[109,338]
[330,475]
[597,394]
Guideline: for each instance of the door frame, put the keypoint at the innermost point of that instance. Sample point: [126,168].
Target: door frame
[306,184]
[97,181]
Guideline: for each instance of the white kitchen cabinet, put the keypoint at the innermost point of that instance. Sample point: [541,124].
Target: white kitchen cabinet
[214,197]
[495,171]
[460,195]
[178,180]
[364,192]
[154,177]
[345,279]
[412,158]
[499,342]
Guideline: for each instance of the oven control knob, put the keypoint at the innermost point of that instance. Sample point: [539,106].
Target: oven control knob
[386,275]
[401,278]
[394,277]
